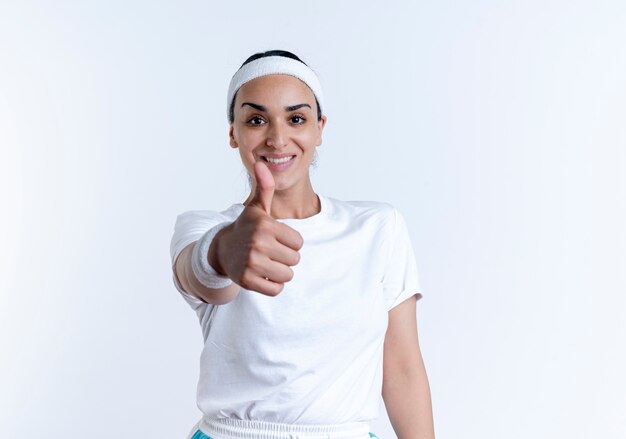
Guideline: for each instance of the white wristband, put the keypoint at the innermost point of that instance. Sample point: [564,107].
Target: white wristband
[203,271]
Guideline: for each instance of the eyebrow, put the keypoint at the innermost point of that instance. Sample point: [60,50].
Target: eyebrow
[287,108]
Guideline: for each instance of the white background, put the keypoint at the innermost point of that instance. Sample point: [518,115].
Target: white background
[496,127]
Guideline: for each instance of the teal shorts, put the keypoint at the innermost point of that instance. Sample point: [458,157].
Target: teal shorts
[199,435]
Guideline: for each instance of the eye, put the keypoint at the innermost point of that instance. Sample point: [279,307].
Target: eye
[297,116]
[255,118]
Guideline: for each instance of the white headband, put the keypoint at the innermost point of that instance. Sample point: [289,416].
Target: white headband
[270,65]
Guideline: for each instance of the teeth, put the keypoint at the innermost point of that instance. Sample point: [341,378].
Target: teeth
[283,160]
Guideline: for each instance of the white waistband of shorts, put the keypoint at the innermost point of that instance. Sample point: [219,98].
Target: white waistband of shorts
[230,428]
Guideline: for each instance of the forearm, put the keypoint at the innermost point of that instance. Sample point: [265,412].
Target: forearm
[193,286]
[407,399]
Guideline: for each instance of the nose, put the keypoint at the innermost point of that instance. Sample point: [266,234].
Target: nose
[276,136]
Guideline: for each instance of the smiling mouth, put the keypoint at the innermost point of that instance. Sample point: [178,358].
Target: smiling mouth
[280,160]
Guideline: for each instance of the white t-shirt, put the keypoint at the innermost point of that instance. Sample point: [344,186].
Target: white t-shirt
[313,354]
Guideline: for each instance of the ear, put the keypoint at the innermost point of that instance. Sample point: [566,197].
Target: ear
[231,135]
[320,127]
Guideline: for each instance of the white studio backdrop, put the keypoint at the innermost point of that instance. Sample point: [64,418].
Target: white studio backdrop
[496,127]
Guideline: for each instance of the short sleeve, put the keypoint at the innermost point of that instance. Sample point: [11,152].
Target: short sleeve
[400,280]
[189,227]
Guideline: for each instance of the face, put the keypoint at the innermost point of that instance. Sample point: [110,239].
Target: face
[264,125]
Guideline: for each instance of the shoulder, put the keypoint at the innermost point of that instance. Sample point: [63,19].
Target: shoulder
[381,210]
[192,224]
[205,216]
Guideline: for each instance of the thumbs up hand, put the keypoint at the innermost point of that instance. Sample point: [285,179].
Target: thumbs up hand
[257,249]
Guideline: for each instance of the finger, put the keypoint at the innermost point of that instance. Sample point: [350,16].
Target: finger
[264,188]
[288,236]
[282,254]
[265,286]
[275,271]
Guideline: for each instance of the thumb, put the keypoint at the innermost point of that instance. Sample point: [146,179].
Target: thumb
[264,191]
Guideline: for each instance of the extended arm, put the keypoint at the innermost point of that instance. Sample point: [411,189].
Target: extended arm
[189,282]
[406,391]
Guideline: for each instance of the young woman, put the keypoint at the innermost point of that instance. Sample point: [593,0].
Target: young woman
[307,303]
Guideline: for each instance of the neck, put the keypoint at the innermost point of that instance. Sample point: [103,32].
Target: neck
[291,204]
